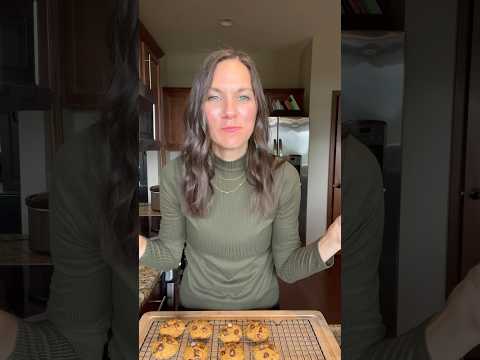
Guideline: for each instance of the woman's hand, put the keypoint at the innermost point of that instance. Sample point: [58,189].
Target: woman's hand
[142,245]
[8,334]
[456,330]
[331,242]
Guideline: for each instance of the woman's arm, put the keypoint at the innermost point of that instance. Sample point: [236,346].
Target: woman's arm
[8,333]
[293,261]
[79,306]
[164,253]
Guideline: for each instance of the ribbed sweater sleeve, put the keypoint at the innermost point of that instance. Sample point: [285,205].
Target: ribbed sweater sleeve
[293,261]
[41,340]
[79,306]
[363,331]
[164,252]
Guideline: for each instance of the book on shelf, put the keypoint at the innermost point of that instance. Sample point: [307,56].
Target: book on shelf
[372,7]
[293,102]
[361,7]
[287,104]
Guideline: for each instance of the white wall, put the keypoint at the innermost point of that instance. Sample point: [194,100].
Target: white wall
[279,69]
[32,156]
[373,85]
[429,75]
[325,78]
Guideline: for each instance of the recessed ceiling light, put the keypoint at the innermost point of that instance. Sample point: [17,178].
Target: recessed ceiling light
[226,22]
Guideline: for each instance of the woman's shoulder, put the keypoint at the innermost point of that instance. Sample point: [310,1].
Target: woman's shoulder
[173,170]
[285,174]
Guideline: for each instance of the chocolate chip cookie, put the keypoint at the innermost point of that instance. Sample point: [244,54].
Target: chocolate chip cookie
[257,331]
[265,351]
[172,327]
[164,347]
[195,351]
[230,333]
[232,351]
[200,329]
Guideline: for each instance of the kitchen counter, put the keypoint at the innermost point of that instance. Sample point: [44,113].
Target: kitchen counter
[146,210]
[337,332]
[147,280]
[14,250]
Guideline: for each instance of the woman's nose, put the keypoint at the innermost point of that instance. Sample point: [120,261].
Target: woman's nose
[229,107]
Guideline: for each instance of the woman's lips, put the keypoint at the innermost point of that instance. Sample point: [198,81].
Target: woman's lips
[231,129]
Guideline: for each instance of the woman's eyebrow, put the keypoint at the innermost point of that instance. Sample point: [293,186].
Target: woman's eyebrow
[239,90]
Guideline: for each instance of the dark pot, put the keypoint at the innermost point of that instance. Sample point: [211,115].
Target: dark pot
[155,197]
[39,235]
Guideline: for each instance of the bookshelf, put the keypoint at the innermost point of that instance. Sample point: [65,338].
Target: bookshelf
[362,15]
[281,96]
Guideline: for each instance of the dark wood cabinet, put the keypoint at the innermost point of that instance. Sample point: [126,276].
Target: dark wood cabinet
[391,16]
[87,64]
[150,92]
[24,70]
[281,96]
[175,102]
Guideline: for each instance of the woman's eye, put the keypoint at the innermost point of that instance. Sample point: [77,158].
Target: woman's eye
[213,98]
[244,97]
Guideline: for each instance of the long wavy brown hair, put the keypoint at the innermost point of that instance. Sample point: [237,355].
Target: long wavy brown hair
[197,149]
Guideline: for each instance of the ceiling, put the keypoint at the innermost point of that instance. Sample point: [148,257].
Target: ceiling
[193,25]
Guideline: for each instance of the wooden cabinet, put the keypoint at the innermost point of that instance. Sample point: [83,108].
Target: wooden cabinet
[150,93]
[389,15]
[24,55]
[281,95]
[175,102]
[87,65]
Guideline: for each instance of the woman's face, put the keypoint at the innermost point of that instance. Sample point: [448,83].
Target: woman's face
[231,109]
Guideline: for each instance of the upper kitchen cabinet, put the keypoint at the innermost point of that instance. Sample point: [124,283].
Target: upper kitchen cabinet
[25,39]
[87,64]
[150,93]
[175,102]
[373,15]
[149,64]
[285,102]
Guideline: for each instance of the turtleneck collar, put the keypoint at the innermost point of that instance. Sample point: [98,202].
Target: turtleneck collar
[232,167]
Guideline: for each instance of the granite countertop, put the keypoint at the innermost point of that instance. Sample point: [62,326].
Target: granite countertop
[337,332]
[147,279]
[14,250]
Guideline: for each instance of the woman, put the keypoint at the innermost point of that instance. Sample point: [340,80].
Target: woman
[448,335]
[92,310]
[230,203]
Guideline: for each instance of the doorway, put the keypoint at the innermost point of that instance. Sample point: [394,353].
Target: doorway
[464,201]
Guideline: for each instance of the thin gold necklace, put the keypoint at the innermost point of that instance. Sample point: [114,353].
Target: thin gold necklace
[231,191]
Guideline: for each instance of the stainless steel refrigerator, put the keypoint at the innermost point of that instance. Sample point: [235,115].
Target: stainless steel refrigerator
[289,138]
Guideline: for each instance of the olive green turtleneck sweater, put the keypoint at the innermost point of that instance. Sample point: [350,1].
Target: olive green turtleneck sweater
[234,254]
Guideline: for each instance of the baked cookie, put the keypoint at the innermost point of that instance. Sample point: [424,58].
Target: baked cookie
[257,331]
[200,329]
[230,333]
[232,351]
[164,347]
[265,351]
[195,351]
[172,327]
